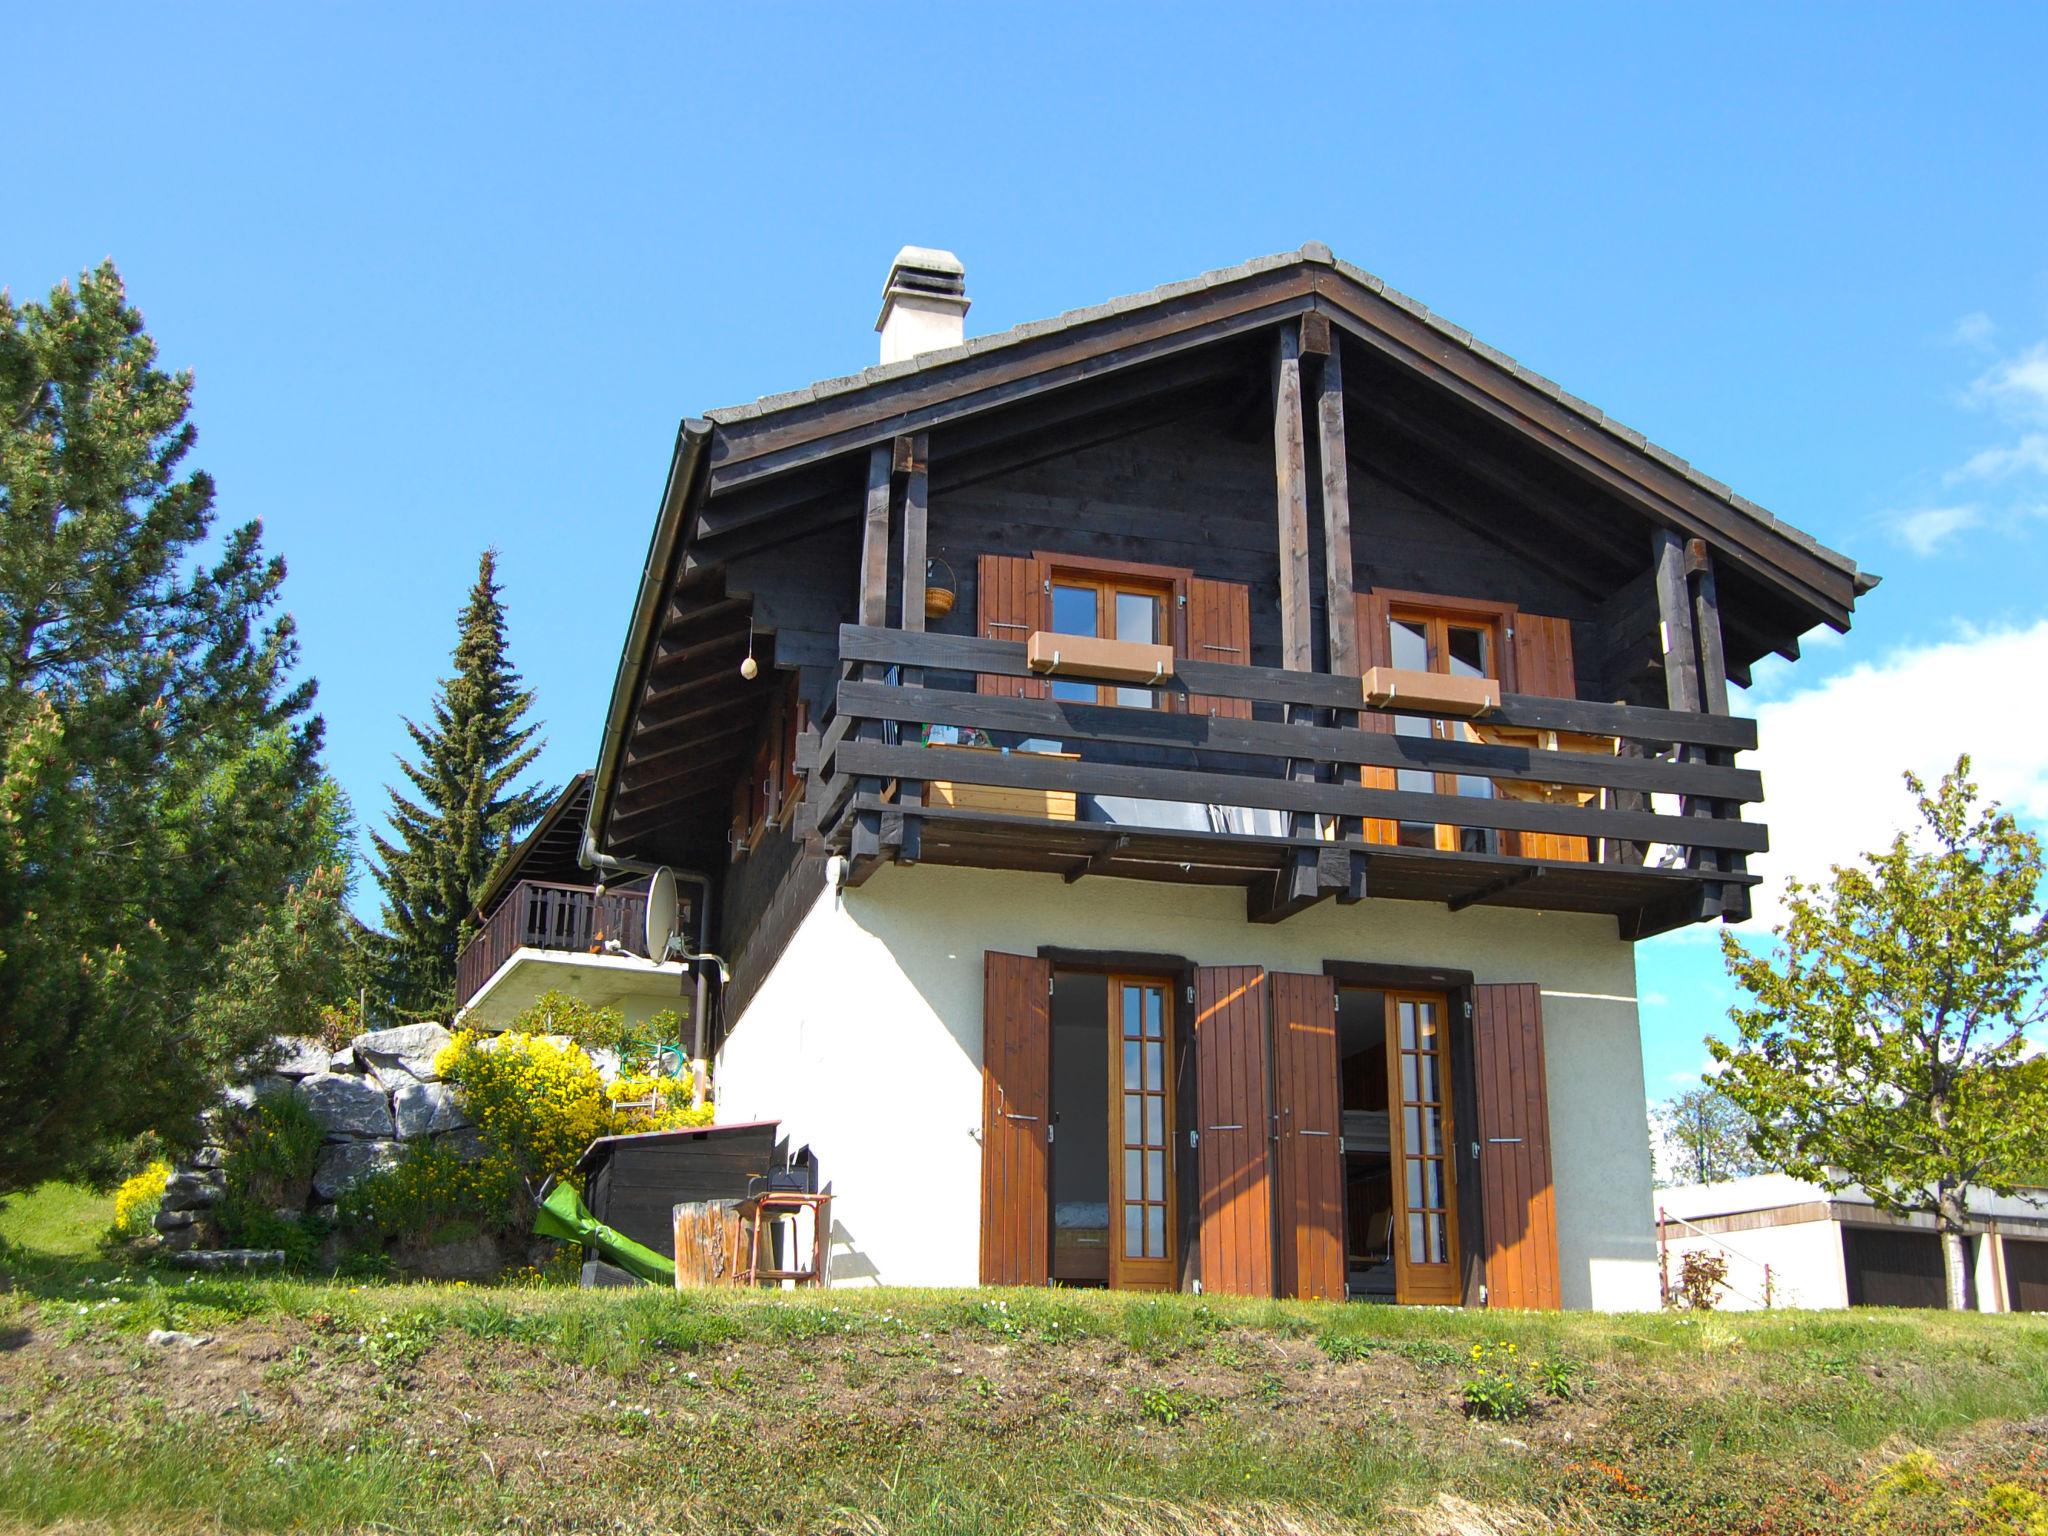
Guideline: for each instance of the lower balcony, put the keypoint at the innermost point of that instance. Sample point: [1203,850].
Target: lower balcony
[546,937]
[1291,784]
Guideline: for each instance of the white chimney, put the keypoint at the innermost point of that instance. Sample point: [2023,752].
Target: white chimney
[924,304]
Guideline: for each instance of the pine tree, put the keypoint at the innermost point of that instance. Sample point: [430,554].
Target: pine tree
[465,812]
[160,790]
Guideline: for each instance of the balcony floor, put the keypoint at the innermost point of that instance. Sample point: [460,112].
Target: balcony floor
[1643,901]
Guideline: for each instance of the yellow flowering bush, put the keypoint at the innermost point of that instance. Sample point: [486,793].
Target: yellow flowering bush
[538,1101]
[670,1110]
[137,1200]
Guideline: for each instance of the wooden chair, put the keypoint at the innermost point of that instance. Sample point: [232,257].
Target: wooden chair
[757,1213]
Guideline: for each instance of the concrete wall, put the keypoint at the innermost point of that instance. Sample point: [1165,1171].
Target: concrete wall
[1805,1258]
[866,1042]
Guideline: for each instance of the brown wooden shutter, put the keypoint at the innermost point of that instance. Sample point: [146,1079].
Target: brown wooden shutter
[1375,650]
[1011,592]
[1518,1202]
[1016,1100]
[1234,1184]
[1310,1147]
[1543,664]
[1219,628]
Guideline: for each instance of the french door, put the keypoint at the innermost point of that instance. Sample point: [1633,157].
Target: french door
[1453,645]
[1425,1192]
[1141,1207]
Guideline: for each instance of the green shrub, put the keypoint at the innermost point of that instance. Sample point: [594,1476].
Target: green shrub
[1343,1348]
[431,1189]
[1559,1378]
[600,1027]
[1495,1390]
[272,1147]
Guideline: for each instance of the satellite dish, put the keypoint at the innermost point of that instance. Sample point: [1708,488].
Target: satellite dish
[661,913]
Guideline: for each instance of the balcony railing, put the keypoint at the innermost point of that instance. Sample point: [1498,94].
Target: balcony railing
[540,914]
[1648,827]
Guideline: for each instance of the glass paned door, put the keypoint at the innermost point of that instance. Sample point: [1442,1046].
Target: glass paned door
[1109,610]
[1142,1204]
[1455,647]
[1418,1061]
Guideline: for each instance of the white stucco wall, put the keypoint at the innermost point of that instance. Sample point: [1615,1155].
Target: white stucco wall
[865,1041]
[1805,1259]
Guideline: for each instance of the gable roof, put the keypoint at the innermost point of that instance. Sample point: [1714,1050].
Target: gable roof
[548,852]
[782,432]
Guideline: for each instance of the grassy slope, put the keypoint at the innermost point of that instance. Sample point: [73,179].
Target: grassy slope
[442,1408]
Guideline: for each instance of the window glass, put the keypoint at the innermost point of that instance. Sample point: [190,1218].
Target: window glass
[1410,647]
[1073,609]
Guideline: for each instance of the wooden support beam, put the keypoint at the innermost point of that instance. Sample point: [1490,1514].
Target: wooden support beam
[916,492]
[1097,861]
[874,542]
[1340,608]
[1277,897]
[1291,484]
[1492,888]
[1713,669]
[1674,615]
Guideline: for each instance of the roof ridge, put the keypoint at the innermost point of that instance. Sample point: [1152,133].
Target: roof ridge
[1314,253]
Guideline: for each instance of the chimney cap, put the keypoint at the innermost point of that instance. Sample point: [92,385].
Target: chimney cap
[932,280]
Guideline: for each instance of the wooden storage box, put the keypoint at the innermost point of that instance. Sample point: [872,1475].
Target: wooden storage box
[1045,804]
[1465,697]
[1087,656]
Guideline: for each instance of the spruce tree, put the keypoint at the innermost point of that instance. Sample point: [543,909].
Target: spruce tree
[161,799]
[465,810]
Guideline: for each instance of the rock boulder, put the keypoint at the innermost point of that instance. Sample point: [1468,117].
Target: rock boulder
[426,1109]
[348,1106]
[342,1163]
[410,1048]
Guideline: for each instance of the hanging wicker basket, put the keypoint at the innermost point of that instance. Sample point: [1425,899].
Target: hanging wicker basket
[939,594]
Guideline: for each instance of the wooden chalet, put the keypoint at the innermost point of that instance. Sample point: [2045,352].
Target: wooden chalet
[1179,782]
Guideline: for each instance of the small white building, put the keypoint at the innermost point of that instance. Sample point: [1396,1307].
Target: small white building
[1789,1243]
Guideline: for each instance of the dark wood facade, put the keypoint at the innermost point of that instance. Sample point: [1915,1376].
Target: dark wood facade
[1297,436]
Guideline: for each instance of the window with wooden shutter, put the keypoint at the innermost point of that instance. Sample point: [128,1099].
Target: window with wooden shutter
[1011,592]
[1218,628]
[1310,1129]
[1234,1158]
[1517,1200]
[1543,664]
[1016,1096]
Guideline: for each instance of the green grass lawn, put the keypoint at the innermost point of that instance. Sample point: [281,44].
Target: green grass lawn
[324,1406]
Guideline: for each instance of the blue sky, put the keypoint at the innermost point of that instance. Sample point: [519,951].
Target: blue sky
[449,275]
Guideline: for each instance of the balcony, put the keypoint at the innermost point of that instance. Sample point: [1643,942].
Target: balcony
[1311,797]
[562,919]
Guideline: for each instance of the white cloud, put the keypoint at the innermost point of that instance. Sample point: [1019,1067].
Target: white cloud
[1974,330]
[2018,387]
[1926,529]
[1832,755]
[2028,454]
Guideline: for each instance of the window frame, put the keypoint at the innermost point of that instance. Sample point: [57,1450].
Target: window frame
[1169,583]
[1440,614]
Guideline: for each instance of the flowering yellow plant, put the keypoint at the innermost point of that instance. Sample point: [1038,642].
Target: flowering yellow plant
[669,1111]
[539,1102]
[138,1198]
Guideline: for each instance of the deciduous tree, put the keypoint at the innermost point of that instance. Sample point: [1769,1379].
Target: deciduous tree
[1885,1037]
[1704,1138]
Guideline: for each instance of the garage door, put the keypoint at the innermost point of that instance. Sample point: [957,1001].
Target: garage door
[2026,1274]
[1890,1267]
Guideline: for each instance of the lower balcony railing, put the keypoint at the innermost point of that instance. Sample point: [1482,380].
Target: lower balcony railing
[1542,802]
[540,914]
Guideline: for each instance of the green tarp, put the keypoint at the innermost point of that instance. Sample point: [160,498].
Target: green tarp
[563,1215]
